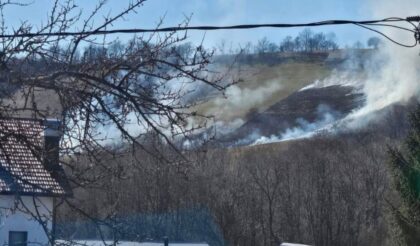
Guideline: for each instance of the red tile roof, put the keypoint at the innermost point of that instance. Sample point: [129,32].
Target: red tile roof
[21,159]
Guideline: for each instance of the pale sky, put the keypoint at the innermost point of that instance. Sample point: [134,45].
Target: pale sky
[224,12]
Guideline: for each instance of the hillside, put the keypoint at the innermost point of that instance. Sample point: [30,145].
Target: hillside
[262,84]
[299,109]
[300,188]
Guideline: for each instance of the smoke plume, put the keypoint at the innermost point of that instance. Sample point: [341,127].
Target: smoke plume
[398,79]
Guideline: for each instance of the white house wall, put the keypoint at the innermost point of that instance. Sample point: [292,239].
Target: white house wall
[14,220]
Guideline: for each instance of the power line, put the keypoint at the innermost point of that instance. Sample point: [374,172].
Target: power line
[363,24]
[390,39]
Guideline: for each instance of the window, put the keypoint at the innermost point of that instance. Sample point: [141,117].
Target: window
[18,238]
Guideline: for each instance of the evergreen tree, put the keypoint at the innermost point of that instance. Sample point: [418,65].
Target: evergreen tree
[405,166]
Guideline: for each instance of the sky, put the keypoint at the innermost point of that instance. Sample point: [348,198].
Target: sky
[223,12]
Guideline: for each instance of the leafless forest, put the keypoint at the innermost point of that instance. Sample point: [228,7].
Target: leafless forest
[333,194]
[138,144]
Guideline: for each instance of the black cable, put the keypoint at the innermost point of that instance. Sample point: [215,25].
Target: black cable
[203,28]
[390,39]
[394,26]
[249,26]
[416,32]
[413,18]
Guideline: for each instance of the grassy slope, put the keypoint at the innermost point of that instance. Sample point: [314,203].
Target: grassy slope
[291,75]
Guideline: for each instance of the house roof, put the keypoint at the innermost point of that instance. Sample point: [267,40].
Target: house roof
[21,160]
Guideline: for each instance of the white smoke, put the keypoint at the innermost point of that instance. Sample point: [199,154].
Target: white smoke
[217,129]
[395,80]
[391,76]
[398,79]
[336,78]
[304,129]
[239,101]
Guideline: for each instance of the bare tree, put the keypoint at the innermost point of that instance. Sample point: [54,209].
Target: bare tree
[287,45]
[374,42]
[305,37]
[358,45]
[108,95]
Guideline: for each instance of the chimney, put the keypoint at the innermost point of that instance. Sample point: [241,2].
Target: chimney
[52,135]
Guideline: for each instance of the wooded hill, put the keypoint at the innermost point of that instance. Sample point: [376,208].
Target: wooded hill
[330,189]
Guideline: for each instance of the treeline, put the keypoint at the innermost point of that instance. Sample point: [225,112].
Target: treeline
[331,194]
[119,51]
[306,41]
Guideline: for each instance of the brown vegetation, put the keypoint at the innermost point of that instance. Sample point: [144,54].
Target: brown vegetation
[322,191]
